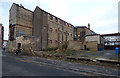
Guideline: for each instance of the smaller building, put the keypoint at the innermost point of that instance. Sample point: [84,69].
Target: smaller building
[1,35]
[94,42]
[28,44]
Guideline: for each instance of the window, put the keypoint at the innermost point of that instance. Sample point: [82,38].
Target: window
[64,23]
[71,34]
[68,25]
[56,19]
[51,41]
[56,41]
[60,31]
[56,30]
[60,22]
[51,17]
[51,29]
[68,34]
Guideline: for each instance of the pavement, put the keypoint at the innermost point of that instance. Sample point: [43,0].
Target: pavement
[85,69]
[13,65]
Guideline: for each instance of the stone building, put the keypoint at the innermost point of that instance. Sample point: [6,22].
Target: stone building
[94,42]
[81,31]
[52,31]
[20,21]
[1,35]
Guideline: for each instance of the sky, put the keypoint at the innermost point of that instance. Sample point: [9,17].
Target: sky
[101,14]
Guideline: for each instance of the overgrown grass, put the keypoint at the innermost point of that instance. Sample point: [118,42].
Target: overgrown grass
[69,52]
[50,49]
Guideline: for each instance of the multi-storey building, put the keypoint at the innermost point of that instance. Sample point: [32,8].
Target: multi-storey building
[52,31]
[20,21]
[1,35]
[112,40]
[81,31]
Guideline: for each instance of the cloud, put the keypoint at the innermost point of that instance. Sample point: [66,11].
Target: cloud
[101,14]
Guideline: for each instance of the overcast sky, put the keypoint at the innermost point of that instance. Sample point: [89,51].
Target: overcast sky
[101,14]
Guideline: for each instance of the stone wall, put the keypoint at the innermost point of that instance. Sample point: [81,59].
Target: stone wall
[75,45]
[40,27]
[29,44]
[59,32]
[53,33]
[21,20]
[92,46]
[93,38]
[12,46]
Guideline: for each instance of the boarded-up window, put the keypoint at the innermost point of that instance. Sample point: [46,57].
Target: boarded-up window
[68,34]
[64,23]
[56,19]
[60,22]
[56,41]
[50,41]
[56,30]
[51,29]
[51,17]
[68,25]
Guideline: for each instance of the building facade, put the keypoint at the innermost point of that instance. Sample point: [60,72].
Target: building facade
[1,35]
[52,31]
[94,42]
[81,31]
[112,40]
[20,21]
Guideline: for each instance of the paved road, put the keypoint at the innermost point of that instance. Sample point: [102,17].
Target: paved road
[11,66]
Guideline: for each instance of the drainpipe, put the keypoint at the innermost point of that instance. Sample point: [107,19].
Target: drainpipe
[62,35]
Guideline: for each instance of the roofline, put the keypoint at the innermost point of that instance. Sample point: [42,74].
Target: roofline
[93,35]
[111,34]
[84,27]
[54,16]
[43,11]
[22,7]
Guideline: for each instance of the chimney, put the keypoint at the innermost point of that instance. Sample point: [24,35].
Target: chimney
[89,25]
